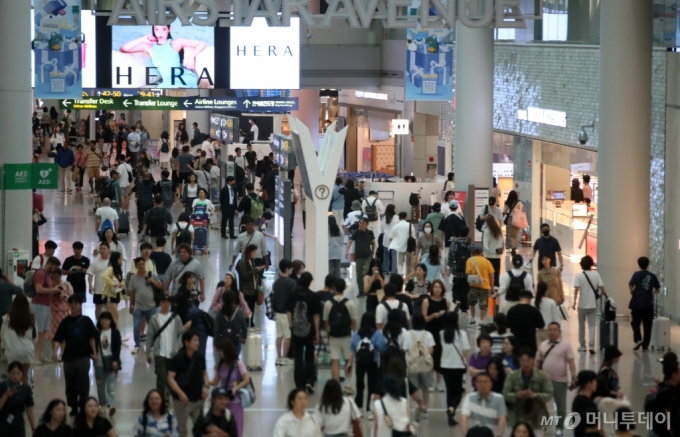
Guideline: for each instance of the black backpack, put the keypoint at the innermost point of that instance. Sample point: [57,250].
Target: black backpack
[339,321]
[365,353]
[183,235]
[403,321]
[461,253]
[157,224]
[229,329]
[414,199]
[165,148]
[392,350]
[519,280]
[107,191]
[371,211]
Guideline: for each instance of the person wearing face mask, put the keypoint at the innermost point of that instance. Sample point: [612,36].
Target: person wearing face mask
[548,246]
[426,240]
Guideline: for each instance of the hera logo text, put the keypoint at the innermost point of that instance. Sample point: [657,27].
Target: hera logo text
[573,420]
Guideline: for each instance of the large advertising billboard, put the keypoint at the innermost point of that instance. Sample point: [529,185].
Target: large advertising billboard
[429,64]
[173,56]
[264,57]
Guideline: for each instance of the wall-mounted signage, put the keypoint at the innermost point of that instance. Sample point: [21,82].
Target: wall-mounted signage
[496,13]
[31,176]
[163,56]
[543,116]
[241,104]
[121,92]
[371,95]
[400,127]
[429,63]
[264,57]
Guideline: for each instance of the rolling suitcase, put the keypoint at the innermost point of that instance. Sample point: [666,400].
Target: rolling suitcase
[201,240]
[253,351]
[661,333]
[123,223]
[609,334]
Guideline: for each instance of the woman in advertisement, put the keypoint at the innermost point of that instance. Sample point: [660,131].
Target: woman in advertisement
[167,54]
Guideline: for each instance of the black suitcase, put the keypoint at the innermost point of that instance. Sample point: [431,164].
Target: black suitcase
[609,334]
[123,222]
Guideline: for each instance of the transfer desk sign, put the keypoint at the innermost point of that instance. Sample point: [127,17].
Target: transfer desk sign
[241,104]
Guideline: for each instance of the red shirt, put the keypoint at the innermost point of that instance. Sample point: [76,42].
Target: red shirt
[41,277]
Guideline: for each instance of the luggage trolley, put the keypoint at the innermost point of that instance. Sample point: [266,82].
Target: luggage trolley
[199,220]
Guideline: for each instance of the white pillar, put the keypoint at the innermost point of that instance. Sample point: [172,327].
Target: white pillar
[16,97]
[200,117]
[473,144]
[308,112]
[624,144]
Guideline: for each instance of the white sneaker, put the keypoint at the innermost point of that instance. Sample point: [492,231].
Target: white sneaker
[135,351]
[582,349]
[125,339]
[369,415]
[441,387]
[287,362]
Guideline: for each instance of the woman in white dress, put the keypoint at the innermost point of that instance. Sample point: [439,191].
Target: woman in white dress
[391,411]
[19,331]
[164,157]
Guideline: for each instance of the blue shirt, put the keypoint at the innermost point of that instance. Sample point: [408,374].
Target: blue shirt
[378,344]
[337,200]
[134,136]
[644,284]
[65,158]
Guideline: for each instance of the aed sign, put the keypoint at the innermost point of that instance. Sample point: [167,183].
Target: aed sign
[357,13]
[30,176]
[264,57]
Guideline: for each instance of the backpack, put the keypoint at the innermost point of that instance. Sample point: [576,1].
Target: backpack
[167,192]
[229,329]
[519,280]
[402,315]
[419,359]
[157,224]
[165,148]
[609,311]
[392,350]
[147,194]
[183,235]
[300,326]
[339,321]
[414,199]
[461,253]
[364,354]
[29,288]
[371,211]
[256,206]
[105,225]
[107,191]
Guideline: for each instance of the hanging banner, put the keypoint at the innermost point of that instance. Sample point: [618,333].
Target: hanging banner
[429,64]
[57,49]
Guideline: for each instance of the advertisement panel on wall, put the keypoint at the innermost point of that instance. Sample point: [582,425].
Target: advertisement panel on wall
[429,63]
[173,56]
[264,57]
[56,47]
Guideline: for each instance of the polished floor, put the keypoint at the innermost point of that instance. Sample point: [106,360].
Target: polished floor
[68,220]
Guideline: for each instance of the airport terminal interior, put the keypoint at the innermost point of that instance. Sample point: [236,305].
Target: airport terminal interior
[432,218]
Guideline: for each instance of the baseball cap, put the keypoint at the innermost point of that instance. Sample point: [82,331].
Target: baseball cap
[669,357]
[356,205]
[217,392]
[453,204]
[517,261]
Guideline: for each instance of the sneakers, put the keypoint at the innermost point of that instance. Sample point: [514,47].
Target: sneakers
[278,362]
[309,388]
[582,349]
[349,390]
[46,360]
[591,351]
[638,345]
[135,350]
[286,362]
[112,411]
[369,415]
[472,324]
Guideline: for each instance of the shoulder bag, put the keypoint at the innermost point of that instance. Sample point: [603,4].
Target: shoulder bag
[462,357]
[354,423]
[390,424]
[411,242]
[475,279]
[246,394]
[519,218]
[507,220]
[597,294]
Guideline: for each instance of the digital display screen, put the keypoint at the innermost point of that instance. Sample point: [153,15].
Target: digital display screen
[264,57]
[173,56]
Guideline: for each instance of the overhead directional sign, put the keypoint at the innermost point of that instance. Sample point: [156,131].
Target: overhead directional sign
[242,104]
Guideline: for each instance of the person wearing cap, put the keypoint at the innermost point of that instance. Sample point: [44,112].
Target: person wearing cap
[612,354]
[370,201]
[216,418]
[586,381]
[77,333]
[116,187]
[436,216]
[352,220]
[479,292]
[449,228]
[163,340]
[515,275]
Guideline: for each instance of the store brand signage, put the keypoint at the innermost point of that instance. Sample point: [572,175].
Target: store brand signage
[543,116]
[370,95]
[242,104]
[358,13]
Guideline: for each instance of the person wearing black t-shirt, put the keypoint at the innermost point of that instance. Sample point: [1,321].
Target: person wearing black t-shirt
[78,333]
[583,402]
[77,266]
[53,421]
[88,423]
[304,371]
[188,381]
[218,416]
[523,321]
[15,398]
[161,259]
[547,245]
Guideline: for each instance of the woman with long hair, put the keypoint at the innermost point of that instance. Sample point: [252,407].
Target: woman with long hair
[510,354]
[496,371]
[230,323]
[231,374]
[500,332]
[335,412]
[511,231]
[351,194]
[436,267]
[612,355]
[229,283]
[368,337]
[455,356]
[114,284]
[434,308]
[548,308]
[16,398]
[552,277]
[522,429]
[164,157]
[58,306]
[296,421]
[492,237]
[336,244]
[186,308]
[426,241]
[374,280]
[107,343]
[390,255]
[298,269]
[176,66]
[53,421]
[392,410]
[89,423]
[115,244]
[156,419]
[422,381]
[249,275]
[19,331]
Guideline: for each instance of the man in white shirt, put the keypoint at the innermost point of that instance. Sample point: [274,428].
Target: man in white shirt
[214,179]
[390,303]
[124,170]
[492,210]
[208,148]
[400,233]
[353,217]
[134,141]
[589,285]
[518,273]
[484,408]
[254,130]
[239,159]
[40,260]
[373,218]
[95,277]
[163,340]
[105,212]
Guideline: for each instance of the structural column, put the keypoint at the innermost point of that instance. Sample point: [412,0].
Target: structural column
[473,143]
[624,141]
[308,112]
[16,99]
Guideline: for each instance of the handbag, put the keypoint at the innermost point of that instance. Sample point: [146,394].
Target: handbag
[260,296]
[411,242]
[354,423]
[246,394]
[519,219]
[506,220]
[479,222]
[475,279]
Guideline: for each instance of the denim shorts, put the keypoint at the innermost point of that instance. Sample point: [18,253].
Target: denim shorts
[43,315]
